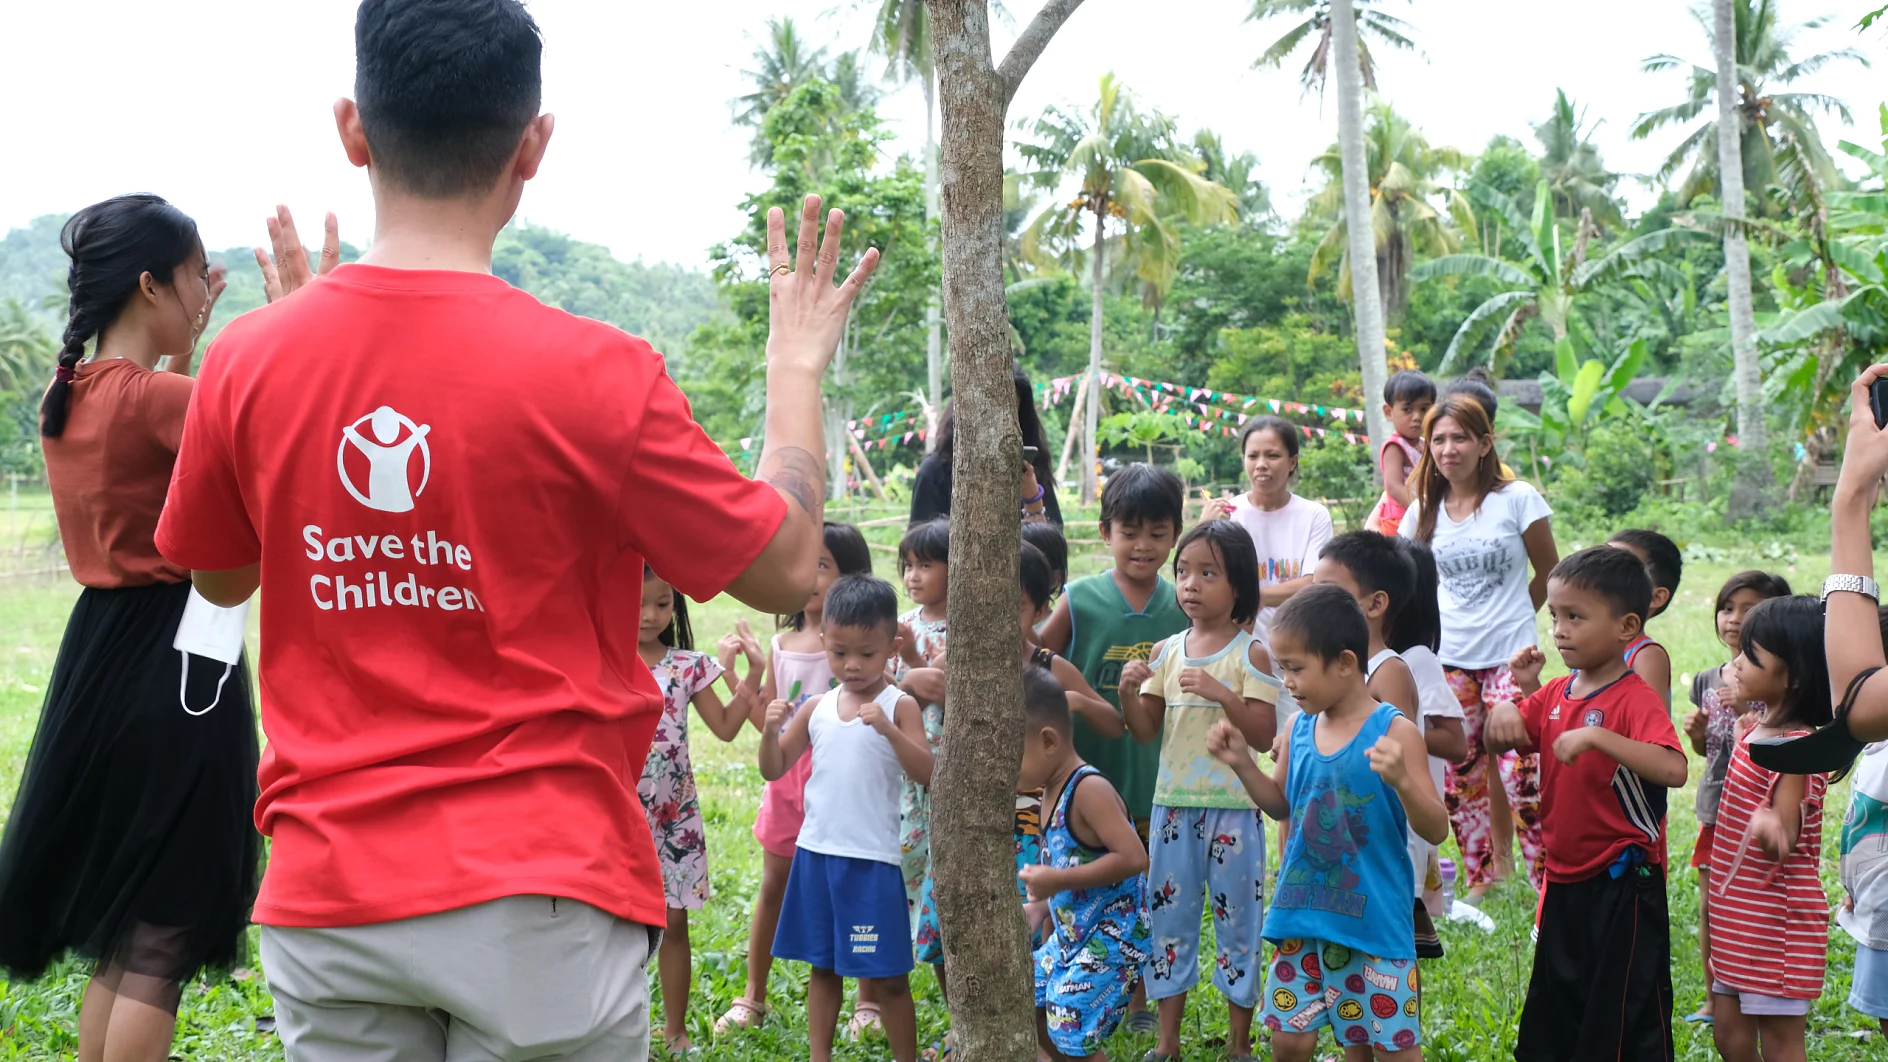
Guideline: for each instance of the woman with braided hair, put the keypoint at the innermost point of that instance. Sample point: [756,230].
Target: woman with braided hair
[131,839]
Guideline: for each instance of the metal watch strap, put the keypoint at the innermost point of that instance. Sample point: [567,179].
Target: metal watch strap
[1853,584]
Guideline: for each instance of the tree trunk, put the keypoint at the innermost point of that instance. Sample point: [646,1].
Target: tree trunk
[838,412]
[986,942]
[934,328]
[1074,434]
[1091,433]
[1366,303]
[1755,479]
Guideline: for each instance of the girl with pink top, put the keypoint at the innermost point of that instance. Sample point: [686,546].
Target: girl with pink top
[798,674]
[1407,397]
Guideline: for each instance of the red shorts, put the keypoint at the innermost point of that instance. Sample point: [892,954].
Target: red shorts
[1701,852]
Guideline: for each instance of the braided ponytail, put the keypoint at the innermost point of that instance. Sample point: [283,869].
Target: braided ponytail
[112,245]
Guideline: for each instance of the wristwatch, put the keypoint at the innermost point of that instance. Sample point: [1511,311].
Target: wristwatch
[1852,584]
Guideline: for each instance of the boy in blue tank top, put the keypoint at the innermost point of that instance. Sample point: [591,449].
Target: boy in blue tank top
[1351,777]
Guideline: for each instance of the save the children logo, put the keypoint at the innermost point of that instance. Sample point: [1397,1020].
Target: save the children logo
[386,451]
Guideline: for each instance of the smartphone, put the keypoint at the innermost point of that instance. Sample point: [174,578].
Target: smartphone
[1029,452]
[1878,401]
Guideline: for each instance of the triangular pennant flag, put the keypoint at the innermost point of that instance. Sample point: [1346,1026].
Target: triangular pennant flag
[745,443]
[907,437]
[920,434]
[1274,404]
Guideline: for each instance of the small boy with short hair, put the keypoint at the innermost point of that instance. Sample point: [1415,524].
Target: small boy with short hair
[845,911]
[1351,777]
[1664,563]
[1090,878]
[1602,982]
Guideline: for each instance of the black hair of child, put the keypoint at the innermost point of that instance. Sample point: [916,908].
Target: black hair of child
[1478,385]
[445,89]
[1143,494]
[1408,385]
[1045,702]
[929,541]
[1237,555]
[1374,561]
[850,554]
[1614,574]
[679,634]
[861,602]
[1327,620]
[112,245]
[1763,582]
[1048,538]
[1420,621]
[1664,561]
[1790,628]
[1037,577]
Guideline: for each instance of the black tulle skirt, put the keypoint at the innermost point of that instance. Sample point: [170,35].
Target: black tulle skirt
[131,840]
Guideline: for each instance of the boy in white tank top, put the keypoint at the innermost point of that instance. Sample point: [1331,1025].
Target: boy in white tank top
[844,911]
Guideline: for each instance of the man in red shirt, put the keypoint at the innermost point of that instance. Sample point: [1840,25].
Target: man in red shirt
[1602,983]
[450,491]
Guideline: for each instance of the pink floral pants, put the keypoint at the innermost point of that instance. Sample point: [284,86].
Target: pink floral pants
[1467,797]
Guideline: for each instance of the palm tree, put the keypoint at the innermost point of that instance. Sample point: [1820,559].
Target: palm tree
[1354,173]
[28,351]
[1754,475]
[1547,283]
[782,64]
[1371,22]
[1239,173]
[1570,162]
[1401,170]
[1132,169]
[1763,63]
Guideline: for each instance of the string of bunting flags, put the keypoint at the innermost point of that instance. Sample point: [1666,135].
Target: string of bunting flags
[890,429]
[1216,409]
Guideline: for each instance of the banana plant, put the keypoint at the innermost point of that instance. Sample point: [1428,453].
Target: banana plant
[1146,429]
[1550,280]
[1574,397]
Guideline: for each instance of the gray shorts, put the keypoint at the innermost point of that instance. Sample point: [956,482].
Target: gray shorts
[524,977]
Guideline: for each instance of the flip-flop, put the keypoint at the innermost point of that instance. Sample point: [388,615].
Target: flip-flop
[1825,751]
[1143,1021]
[1699,1017]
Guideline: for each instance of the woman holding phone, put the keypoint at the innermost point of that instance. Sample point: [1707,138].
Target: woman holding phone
[931,487]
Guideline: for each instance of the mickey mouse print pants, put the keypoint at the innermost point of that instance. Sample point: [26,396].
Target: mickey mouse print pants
[1197,856]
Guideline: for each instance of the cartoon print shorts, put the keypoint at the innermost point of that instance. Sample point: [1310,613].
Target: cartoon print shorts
[1364,1000]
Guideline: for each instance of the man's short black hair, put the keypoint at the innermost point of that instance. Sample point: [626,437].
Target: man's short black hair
[928,541]
[1045,702]
[1327,620]
[1038,578]
[1374,561]
[1408,385]
[1143,494]
[1614,574]
[863,602]
[1237,556]
[1664,561]
[445,88]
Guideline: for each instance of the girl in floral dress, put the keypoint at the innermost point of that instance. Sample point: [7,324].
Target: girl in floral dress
[668,780]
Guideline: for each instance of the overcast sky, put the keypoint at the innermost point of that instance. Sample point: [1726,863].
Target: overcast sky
[223,106]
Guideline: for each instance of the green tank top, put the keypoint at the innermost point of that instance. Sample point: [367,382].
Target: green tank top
[1104,634]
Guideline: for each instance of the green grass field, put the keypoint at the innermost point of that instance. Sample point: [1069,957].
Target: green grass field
[1473,997]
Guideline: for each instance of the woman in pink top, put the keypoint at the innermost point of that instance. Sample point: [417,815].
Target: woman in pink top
[798,674]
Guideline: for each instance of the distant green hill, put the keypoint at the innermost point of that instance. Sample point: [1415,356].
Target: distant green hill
[663,303]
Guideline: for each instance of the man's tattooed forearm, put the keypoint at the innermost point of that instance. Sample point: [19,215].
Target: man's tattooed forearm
[797,474]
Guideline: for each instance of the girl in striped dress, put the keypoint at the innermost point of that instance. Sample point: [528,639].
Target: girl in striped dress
[1769,916]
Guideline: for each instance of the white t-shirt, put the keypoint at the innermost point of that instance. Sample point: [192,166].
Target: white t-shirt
[1483,567]
[1287,540]
[1434,700]
[1864,849]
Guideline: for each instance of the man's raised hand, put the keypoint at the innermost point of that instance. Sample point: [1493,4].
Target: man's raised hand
[806,313]
[285,265]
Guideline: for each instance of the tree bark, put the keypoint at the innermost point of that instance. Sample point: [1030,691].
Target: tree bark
[1074,434]
[1366,301]
[1091,424]
[934,329]
[1755,479]
[986,942]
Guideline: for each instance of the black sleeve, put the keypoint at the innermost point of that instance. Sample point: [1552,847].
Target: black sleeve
[930,491]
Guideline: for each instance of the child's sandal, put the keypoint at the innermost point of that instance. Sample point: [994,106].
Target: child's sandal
[743,1013]
[865,1019]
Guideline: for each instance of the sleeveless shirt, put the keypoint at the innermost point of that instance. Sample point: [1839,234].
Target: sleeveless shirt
[852,797]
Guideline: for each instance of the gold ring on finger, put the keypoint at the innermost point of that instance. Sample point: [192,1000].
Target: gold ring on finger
[780,269]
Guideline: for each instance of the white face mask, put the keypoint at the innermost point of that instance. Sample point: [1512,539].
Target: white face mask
[209,631]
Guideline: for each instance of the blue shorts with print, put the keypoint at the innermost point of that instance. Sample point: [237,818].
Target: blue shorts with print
[1193,855]
[1364,1000]
[845,915]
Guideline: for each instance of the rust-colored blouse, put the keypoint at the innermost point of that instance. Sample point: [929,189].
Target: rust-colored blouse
[110,471]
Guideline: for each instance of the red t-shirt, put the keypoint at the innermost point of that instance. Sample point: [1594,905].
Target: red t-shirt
[452,490]
[1595,809]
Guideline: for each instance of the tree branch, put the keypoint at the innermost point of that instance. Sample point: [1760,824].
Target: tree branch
[1028,47]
